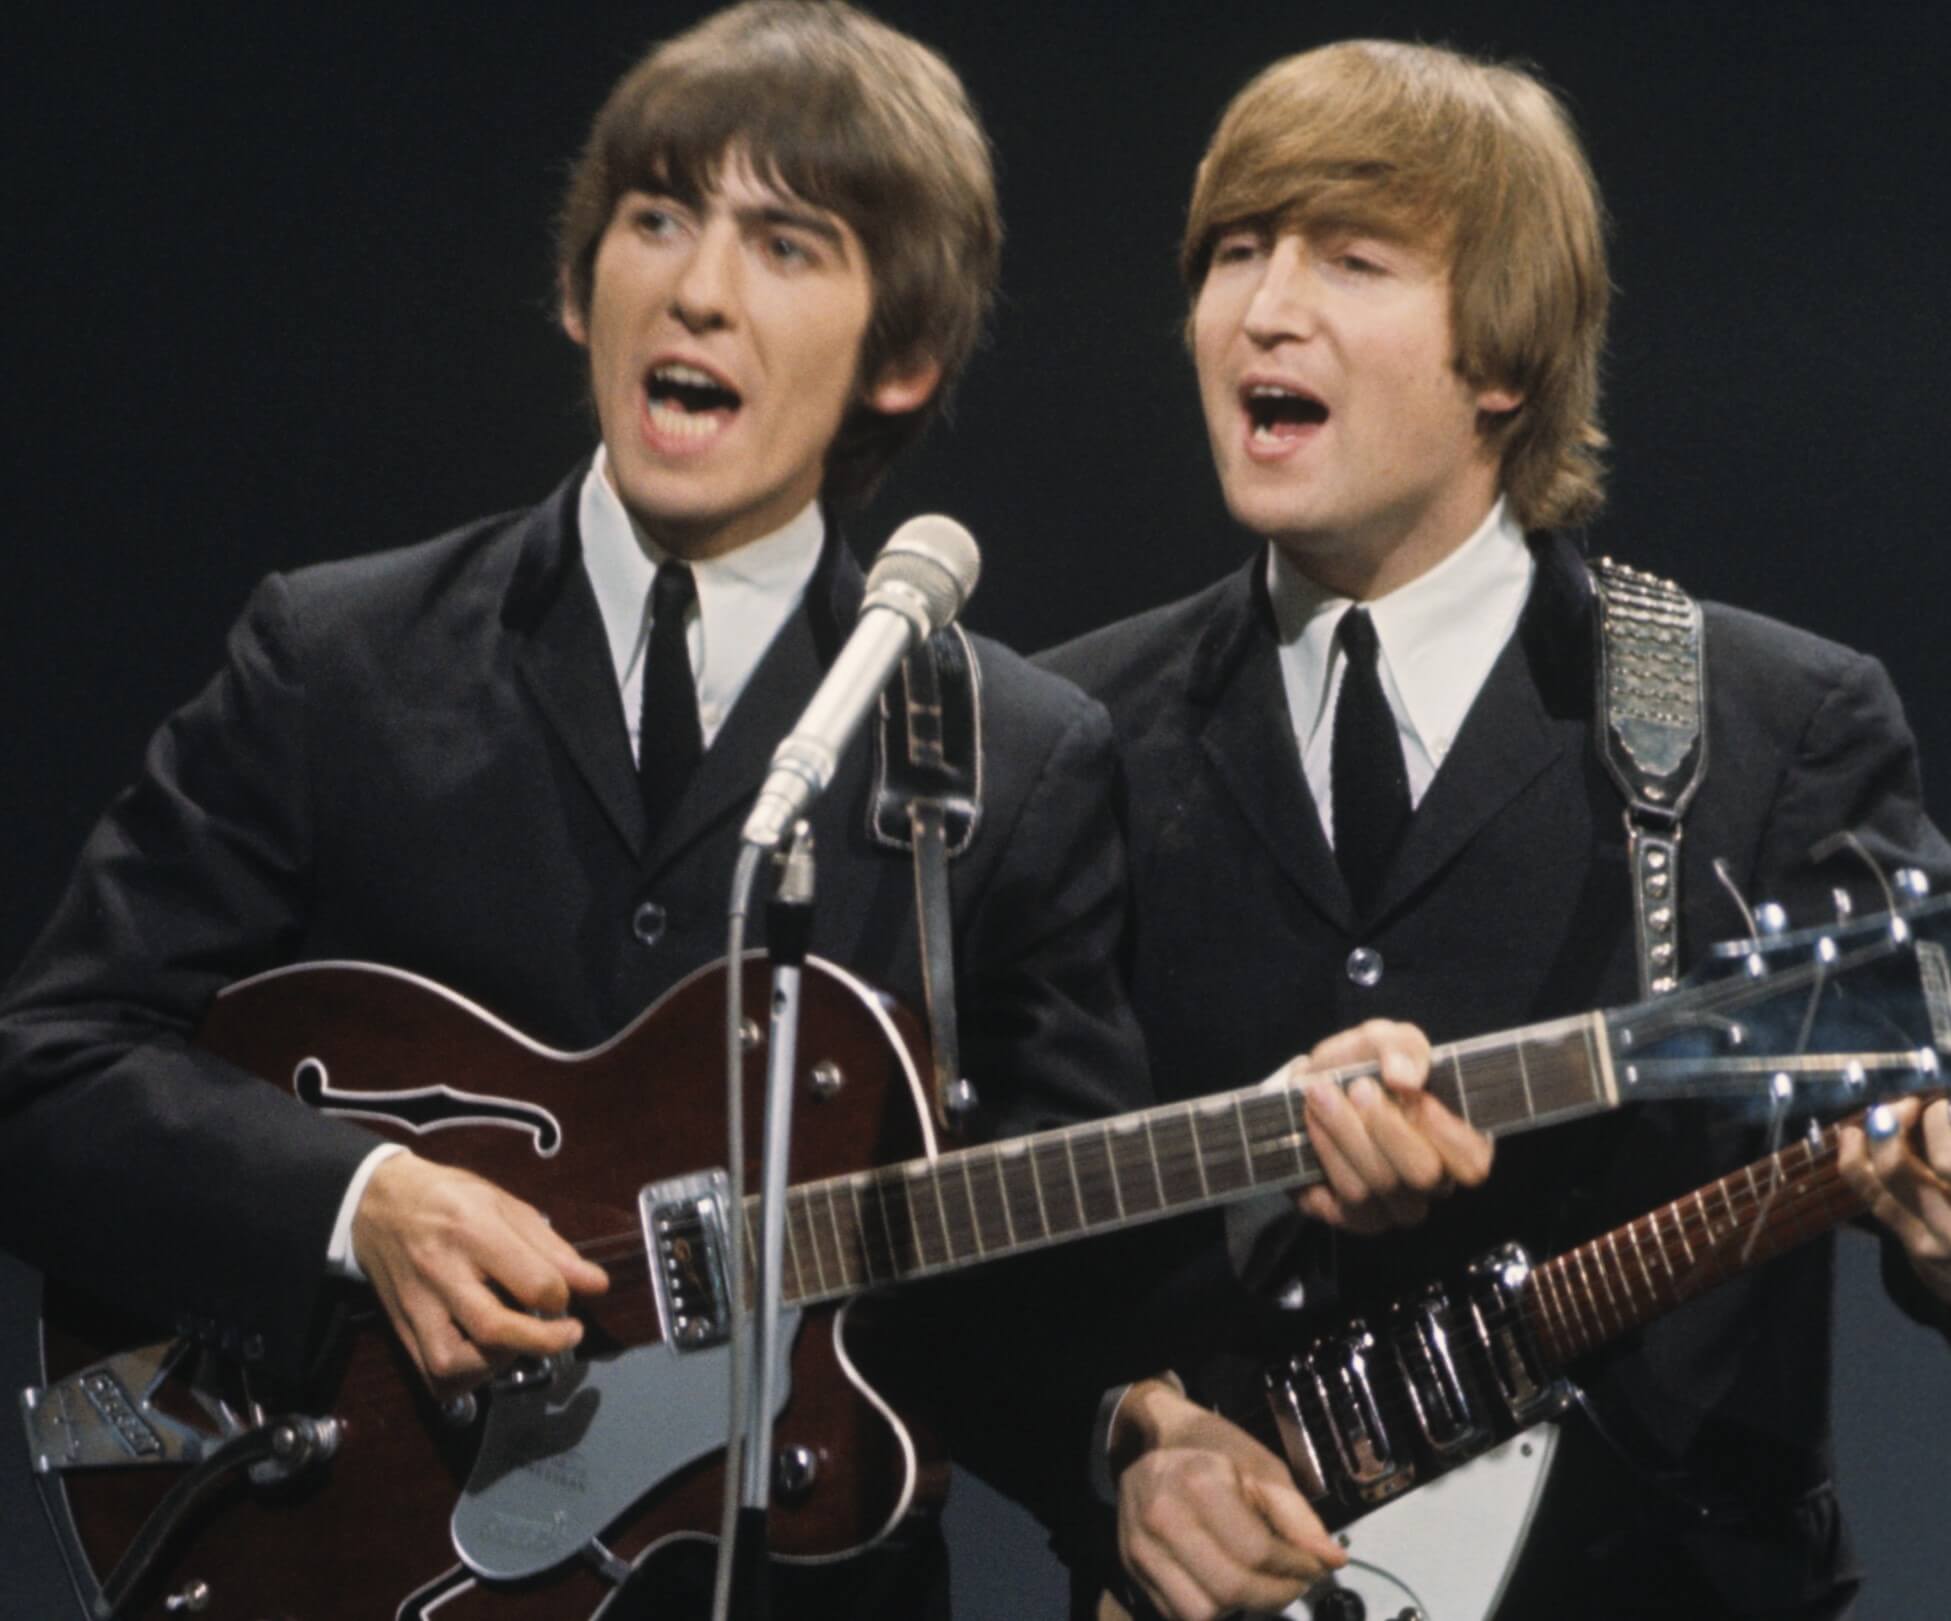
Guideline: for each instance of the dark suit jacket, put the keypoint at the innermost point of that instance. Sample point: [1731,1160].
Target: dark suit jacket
[420,758]
[1509,902]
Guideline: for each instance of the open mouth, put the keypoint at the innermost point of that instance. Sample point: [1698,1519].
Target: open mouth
[688,403]
[1276,413]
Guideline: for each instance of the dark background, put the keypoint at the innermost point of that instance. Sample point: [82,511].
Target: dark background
[280,291]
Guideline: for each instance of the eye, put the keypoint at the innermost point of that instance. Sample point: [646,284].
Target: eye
[1238,247]
[655,220]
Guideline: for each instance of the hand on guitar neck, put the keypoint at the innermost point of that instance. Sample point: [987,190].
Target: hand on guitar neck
[1386,1150]
[442,1247]
[1903,1176]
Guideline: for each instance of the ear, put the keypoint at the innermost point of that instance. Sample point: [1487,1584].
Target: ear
[904,385]
[1498,402]
[573,319]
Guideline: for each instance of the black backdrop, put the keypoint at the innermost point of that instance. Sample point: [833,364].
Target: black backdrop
[280,291]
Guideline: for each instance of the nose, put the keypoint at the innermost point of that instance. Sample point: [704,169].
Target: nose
[705,293]
[1282,306]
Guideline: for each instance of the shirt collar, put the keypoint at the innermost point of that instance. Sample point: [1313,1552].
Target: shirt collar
[1439,634]
[743,596]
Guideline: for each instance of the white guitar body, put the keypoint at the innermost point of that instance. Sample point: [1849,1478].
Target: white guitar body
[1446,1551]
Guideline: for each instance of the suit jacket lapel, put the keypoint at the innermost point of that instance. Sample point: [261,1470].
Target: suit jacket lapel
[1249,738]
[1509,735]
[563,658]
[729,776]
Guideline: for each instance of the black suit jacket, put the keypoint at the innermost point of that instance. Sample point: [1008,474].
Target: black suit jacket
[420,758]
[1509,902]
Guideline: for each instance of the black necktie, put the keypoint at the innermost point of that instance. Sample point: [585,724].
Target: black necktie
[669,742]
[1371,783]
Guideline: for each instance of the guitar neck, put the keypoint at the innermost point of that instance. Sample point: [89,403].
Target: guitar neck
[1591,1295]
[927,1216]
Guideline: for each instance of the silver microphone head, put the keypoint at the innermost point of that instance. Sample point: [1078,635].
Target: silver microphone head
[930,558]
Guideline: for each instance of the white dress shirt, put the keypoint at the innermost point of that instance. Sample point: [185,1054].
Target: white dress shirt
[1439,635]
[744,598]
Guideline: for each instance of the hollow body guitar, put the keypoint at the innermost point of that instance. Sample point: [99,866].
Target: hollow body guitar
[181,1487]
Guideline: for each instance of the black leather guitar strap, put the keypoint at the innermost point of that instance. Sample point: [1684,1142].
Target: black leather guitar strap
[927,799]
[1651,709]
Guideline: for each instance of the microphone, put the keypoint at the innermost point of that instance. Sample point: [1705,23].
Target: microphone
[917,585]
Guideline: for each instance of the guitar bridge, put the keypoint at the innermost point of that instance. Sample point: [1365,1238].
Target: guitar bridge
[684,1236]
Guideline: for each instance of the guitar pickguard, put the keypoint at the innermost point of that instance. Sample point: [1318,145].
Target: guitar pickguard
[561,1462]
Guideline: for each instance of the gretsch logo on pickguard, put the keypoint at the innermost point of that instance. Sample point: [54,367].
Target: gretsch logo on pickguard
[422,1109]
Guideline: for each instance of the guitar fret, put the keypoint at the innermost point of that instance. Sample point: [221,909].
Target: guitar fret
[982,1172]
[1097,1177]
[843,1250]
[1002,1196]
[900,1265]
[920,1180]
[1524,1080]
[1023,1199]
[1680,1232]
[1051,1160]
[1111,1166]
[1036,1177]
[1625,1278]
[1585,1283]
[1151,1144]
[876,1270]
[1179,1175]
[1297,1132]
[1133,1168]
[1227,1165]
[975,1216]
[797,1208]
[941,1209]
[1639,1255]
[1558,1286]
[1076,1182]
[1198,1159]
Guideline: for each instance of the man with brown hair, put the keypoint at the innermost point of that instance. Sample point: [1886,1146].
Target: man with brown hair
[1363,780]
[515,760]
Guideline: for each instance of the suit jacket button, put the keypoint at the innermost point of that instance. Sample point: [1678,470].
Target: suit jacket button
[1365,967]
[647,923]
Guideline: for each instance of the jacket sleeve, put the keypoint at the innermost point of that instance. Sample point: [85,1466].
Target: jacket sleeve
[1856,771]
[132,1164]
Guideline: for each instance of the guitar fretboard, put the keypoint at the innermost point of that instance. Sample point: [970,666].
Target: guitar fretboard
[911,1220]
[1589,1296]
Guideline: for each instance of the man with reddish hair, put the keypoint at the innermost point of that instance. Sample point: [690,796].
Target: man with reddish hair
[1363,779]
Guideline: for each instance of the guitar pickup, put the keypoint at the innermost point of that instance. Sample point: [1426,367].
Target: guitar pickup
[1342,1371]
[1420,1333]
[685,1238]
[1499,1284]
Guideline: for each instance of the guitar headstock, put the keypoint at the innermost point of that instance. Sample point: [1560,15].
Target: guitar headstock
[1814,1020]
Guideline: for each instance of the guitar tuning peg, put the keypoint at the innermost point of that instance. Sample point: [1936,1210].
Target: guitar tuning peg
[1912,883]
[1771,920]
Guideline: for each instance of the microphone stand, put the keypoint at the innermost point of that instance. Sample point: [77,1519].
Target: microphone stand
[789,927]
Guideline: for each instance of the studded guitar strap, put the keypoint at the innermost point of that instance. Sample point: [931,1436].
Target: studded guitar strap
[1652,697]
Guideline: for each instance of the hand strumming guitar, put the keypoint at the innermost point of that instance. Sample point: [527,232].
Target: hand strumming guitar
[442,1247]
